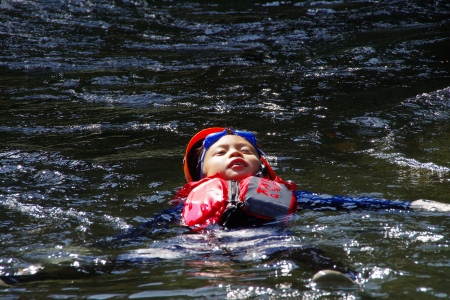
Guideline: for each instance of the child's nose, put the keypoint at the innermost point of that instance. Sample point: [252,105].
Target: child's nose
[235,152]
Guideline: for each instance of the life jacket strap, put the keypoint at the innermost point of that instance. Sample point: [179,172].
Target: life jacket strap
[233,213]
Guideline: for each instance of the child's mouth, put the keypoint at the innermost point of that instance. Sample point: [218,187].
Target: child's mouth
[237,163]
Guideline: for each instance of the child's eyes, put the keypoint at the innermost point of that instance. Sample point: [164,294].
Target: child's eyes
[220,152]
[224,151]
[246,150]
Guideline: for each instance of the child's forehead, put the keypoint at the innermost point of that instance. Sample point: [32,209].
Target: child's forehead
[230,139]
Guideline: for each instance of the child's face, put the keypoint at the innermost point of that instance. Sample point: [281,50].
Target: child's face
[232,157]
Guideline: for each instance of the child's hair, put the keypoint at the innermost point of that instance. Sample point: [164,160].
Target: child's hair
[195,162]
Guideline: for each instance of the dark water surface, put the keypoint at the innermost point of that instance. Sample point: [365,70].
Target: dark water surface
[99,98]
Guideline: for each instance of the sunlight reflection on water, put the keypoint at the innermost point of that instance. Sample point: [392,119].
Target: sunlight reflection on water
[100,99]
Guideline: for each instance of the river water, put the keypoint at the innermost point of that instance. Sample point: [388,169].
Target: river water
[99,98]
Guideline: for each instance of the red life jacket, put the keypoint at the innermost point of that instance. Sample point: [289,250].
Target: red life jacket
[209,198]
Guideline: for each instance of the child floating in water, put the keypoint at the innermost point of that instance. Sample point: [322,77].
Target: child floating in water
[230,182]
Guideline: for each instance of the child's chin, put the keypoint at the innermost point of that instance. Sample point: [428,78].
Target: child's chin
[238,177]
